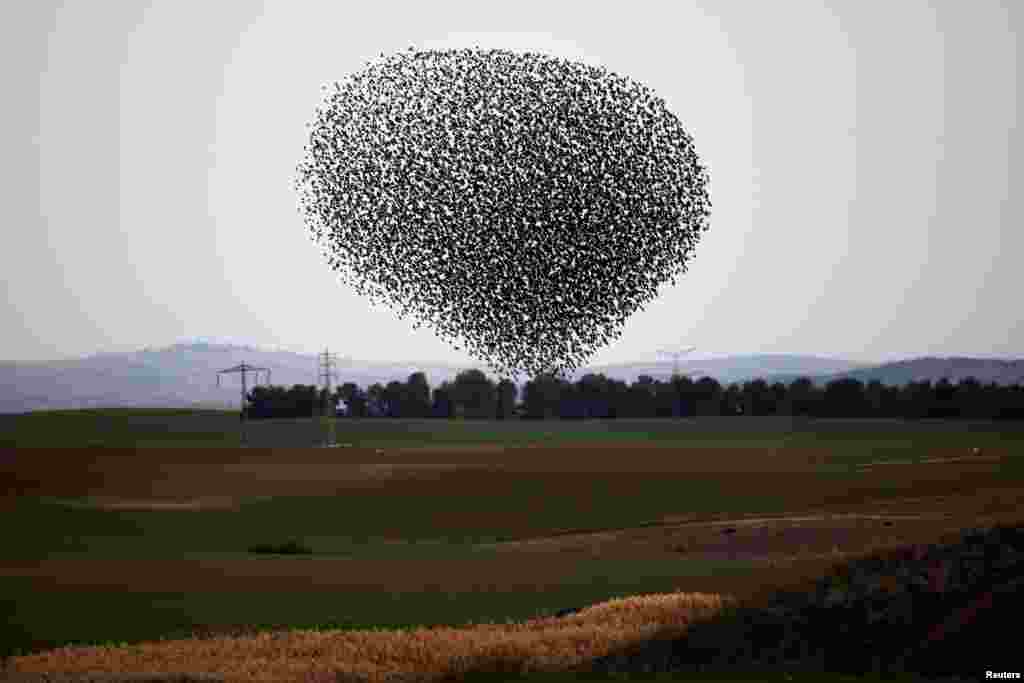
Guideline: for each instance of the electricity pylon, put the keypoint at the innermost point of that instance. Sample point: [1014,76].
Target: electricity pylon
[676,354]
[325,372]
[244,368]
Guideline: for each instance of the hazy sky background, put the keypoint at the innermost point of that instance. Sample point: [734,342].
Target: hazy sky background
[861,158]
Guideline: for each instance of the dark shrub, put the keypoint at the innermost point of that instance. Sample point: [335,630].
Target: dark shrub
[289,548]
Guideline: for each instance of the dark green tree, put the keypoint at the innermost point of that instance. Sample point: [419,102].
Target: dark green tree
[394,399]
[354,398]
[570,403]
[475,395]
[665,400]
[542,397]
[804,397]
[1013,406]
[685,391]
[594,395]
[443,406]
[758,398]
[874,396]
[708,396]
[845,398]
[969,399]
[780,398]
[417,396]
[376,400]
[944,400]
[507,392]
[640,398]
[732,400]
[917,399]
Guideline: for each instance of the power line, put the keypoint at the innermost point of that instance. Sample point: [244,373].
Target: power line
[244,368]
[325,372]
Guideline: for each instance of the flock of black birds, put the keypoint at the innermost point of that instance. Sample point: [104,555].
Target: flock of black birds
[520,204]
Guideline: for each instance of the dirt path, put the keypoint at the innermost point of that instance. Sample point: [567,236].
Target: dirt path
[766,539]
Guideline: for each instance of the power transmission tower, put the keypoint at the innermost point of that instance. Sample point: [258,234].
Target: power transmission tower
[244,368]
[325,372]
[676,355]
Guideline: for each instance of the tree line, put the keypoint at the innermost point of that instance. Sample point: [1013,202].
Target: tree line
[471,395]
[475,396]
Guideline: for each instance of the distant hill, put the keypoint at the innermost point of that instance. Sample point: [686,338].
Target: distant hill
[181,375]
[185,375]
[899,373]
[730,368]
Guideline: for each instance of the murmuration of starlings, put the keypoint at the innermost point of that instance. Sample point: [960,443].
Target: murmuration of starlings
[521,205]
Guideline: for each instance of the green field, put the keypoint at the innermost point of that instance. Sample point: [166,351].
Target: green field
[160,428]
[442,518]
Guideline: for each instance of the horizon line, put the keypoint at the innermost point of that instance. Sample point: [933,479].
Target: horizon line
[479,364]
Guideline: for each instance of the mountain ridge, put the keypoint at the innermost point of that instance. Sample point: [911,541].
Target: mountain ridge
[184,374]
[933,368]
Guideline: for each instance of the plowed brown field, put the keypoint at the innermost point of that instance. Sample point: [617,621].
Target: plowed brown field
[922,501]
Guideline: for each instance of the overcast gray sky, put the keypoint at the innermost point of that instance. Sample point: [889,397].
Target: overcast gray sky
[861,157]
